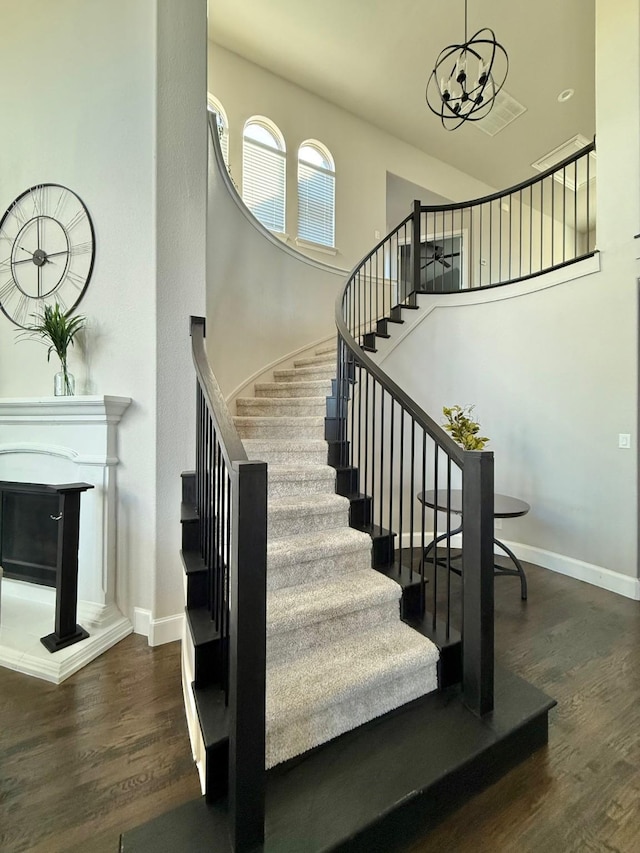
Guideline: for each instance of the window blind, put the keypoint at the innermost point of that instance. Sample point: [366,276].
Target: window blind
[263,183]
[316,204]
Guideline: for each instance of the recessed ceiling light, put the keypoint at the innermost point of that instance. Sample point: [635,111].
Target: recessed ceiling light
[565,95]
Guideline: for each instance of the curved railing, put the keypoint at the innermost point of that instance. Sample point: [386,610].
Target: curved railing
[231,503]
[391,451]
[540,225]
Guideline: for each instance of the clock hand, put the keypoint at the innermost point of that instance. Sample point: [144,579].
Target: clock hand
[27,251]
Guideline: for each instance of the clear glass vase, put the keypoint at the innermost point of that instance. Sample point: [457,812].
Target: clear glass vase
[64,384]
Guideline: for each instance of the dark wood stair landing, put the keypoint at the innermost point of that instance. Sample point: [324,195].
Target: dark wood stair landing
[379,786]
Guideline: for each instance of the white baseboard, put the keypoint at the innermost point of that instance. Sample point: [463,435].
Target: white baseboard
[563,565]
[157,631]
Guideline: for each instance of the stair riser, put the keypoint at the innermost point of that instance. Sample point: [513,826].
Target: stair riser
[294,524]
[322,568]
[279,432]
[281,408]
[287,646]
[277,390]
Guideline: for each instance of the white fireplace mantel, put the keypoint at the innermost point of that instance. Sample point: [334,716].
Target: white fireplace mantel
[61,440]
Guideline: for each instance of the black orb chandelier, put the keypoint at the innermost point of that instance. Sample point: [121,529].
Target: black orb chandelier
[467,77]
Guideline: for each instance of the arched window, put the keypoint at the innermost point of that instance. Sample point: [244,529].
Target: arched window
[263,172]
[215,106]
[316,194]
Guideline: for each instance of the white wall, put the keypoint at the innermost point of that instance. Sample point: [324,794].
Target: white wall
[181,203]
[363,154]
[80,109]
[264,301]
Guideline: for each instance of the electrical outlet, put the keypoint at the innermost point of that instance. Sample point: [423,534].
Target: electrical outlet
[624,440]
[376,234]
[497,523]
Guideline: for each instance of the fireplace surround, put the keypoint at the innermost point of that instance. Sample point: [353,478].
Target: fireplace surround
[61,440]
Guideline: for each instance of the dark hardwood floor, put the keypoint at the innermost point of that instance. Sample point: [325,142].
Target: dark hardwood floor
[108,749]
[104,751]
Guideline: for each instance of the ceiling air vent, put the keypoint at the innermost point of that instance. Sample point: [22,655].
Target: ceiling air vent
[571,174]
[505,110]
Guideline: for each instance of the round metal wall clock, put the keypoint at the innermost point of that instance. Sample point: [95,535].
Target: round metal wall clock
[47,249]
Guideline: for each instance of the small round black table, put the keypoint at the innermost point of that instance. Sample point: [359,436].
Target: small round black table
[504,506]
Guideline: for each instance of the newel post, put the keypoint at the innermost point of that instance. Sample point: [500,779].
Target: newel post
[415,248]
[477,582]
[247,656]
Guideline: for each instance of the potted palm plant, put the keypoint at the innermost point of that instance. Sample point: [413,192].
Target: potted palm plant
[57,330]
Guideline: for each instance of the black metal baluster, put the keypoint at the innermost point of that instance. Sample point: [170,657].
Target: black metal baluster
[520,230]
[448,560]
[530,229]
[374,453]
[401,473]
[541,225]
[412,492]
[575,208]
[510,236]
[365,488]
[435,533]
[553,220]
[501,202]
[588,207]
[490,242]
[382,446]
[423,511]
[391,449]
[564,213]
[481,250]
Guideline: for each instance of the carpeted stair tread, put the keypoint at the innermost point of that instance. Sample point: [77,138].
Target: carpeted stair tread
[300,479]
[308,388]
[320,695]
[300,374]
[316,680]
[310,361]
[285,451]
[281,406]
[291,515]
[310,557]
[308,604]
[287,504]
[280,427]
[314,546]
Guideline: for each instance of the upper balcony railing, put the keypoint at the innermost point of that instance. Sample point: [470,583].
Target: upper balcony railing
[540,225]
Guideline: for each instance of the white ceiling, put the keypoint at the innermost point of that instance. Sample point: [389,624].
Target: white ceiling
[373,58]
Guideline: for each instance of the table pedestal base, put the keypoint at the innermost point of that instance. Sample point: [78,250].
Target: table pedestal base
[518,571]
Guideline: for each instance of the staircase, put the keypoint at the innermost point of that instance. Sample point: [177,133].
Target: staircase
[337,653]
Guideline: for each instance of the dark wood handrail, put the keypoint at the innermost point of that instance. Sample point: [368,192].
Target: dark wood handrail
[230,442]
[536,179]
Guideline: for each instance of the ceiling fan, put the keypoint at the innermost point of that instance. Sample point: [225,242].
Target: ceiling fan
[437,254]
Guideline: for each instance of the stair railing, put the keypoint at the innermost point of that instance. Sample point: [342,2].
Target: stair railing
[394,452]
[231,500]
[542,224]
